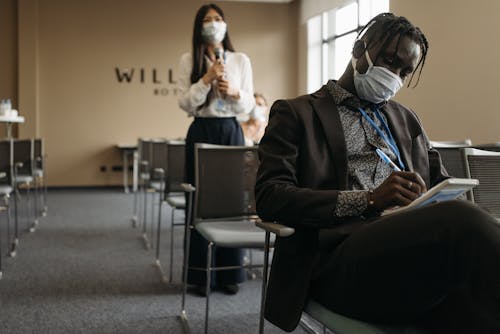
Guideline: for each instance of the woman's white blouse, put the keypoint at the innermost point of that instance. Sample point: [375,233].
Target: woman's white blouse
[192,97]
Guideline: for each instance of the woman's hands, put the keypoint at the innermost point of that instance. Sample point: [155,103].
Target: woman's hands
[217,72]
[399,189]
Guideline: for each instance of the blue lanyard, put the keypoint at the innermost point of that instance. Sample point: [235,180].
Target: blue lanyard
[389,139]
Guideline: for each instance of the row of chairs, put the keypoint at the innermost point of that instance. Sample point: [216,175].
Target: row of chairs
[161,172]
[223,211]
[22,168]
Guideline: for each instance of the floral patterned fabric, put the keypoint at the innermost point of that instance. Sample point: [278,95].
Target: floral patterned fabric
[366,170]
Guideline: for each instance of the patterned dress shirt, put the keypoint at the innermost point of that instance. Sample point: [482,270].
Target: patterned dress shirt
[366,170]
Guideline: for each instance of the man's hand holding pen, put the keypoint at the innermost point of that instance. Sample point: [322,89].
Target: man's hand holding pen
[399,189]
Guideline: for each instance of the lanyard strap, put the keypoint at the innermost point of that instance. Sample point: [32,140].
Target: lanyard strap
[388,139]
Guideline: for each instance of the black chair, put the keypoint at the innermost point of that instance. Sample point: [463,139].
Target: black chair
[452,157]
[221,207]
[173,195]
[485,166]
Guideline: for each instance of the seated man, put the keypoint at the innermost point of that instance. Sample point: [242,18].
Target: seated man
[437,267]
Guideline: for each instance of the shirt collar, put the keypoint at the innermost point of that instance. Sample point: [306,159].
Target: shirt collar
[343,97]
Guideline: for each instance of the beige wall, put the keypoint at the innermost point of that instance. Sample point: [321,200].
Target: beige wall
[457,94]
[8,58]
[82,110]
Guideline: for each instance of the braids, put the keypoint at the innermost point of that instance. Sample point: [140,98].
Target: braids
[384,27]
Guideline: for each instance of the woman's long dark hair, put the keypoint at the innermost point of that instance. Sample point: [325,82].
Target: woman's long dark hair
[199,46]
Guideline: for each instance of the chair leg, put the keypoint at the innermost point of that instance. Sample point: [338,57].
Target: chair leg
[208,282]
[171,245]
[158,234]
[264,282]
[187,234]
[145,216]
[134,215]
[15,242]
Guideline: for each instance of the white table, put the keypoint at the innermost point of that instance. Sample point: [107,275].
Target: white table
[128,151]
[9,121]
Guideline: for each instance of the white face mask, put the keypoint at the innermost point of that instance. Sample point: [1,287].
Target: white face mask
[214,32]
[378,84]
[259,113]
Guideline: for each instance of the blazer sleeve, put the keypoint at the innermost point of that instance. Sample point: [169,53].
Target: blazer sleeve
[279,194]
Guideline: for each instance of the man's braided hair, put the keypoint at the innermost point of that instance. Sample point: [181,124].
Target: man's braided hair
[384,27]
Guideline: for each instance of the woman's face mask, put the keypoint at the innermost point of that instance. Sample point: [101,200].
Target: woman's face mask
[214,32]
[259,113]
[378,84]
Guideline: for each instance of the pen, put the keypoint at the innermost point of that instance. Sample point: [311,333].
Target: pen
[387,160]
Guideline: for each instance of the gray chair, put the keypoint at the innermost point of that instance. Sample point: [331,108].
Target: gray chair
[221,207]
[327,319]
[485,166]
[173,195]
[451,156]
[6,190]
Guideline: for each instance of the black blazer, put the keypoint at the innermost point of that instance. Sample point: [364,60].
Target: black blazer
[303,166]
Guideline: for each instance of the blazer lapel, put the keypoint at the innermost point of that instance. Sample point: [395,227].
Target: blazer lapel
[397,126]
[326,110]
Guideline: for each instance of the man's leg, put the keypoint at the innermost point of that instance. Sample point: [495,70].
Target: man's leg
[401,268]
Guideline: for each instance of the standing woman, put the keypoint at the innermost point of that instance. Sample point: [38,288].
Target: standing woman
[215,85]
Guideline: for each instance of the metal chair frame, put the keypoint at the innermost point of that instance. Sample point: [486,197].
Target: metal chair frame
[173,176]
[201,213]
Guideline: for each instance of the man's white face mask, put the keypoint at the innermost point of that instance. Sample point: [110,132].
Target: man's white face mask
[378,84]
[214,32]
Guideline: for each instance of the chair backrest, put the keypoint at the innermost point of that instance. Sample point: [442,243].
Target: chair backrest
[6,161]
[38,152]
[176,152]
[489,147]
[485,166]
[158,158]
[225,180]
[452,157]
[144,150]
[23,152]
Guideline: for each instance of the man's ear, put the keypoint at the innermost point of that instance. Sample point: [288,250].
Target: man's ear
[358,49]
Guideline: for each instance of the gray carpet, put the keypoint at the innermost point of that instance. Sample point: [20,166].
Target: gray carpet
[85,270]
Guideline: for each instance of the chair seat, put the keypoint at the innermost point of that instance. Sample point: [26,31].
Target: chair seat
[341,324]
[157,185]
[23,179]
[233,233]
[176,201]
[5,190]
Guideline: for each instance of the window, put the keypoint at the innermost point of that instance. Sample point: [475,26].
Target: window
[331,35]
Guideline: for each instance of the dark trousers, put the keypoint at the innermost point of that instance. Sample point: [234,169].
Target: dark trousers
[437,266]
[221,131]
